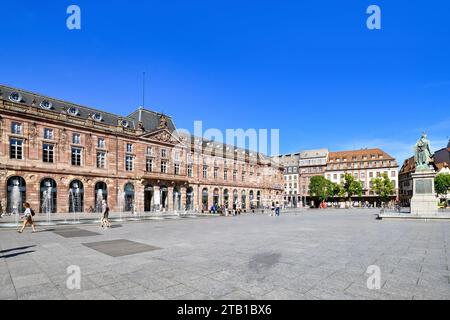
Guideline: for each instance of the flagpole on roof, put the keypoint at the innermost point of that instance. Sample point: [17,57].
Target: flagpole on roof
[143,89]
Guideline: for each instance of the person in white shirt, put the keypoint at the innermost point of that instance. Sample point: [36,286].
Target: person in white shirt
[28,218]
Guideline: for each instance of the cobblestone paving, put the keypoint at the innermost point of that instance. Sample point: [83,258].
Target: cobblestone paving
[306,255]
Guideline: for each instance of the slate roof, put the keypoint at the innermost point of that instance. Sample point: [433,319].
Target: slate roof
[150,119]
[358,155]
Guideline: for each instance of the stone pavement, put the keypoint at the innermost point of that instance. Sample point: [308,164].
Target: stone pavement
[310,255]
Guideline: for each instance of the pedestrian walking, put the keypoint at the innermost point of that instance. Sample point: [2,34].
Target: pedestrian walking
[105,213]
[106,221]
[277,210]
[28,218]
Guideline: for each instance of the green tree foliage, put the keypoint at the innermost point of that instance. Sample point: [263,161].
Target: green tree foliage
[350,187]
[442,184]
[383,187]
[321,188]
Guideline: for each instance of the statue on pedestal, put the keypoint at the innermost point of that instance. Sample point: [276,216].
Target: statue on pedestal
[422,153]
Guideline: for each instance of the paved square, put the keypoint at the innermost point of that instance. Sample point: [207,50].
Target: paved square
[75,233]
[305,255]
[119,248]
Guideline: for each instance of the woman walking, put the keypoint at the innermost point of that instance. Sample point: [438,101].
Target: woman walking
[28,218]
[105,215]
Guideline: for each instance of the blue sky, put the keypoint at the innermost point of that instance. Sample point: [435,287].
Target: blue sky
[309,68]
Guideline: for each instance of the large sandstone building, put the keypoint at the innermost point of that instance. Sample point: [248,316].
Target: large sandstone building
[63,157]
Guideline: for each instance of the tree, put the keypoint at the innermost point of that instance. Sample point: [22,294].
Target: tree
[351,187]
[442,184]
[383,187]
[320,188]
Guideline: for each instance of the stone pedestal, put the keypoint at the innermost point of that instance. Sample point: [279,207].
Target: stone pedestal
[424,201]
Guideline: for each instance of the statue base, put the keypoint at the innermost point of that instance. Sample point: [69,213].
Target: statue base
[424,201]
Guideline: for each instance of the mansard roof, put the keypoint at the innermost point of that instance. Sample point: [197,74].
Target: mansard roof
[150,119]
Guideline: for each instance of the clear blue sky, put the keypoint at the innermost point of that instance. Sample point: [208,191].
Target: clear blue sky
[310,68]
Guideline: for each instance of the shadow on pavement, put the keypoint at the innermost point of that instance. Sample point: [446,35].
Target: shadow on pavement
[16,254]
[16,249]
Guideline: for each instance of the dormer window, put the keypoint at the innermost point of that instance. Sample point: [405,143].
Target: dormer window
[97,117]
[124,123]
[15,97]
[46,105]
[73,111]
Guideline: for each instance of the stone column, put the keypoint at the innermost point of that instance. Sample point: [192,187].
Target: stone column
[156,197]
[170,199]
[32,193]
[139,196]
[89,196]
[210,198]
[3,193]
[62,197]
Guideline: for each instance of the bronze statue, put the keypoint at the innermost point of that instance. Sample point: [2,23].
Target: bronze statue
[422,153]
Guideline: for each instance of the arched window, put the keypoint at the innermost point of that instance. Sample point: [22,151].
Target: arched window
[129,197]
[190,198]
[205,199]
[226,197]
[48,196]
[101,193]
[216,196]
[176,199]
[16,195]
[244,199]
[76,196]
[148,198]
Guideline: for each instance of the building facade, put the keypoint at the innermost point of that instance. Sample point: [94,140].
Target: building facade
[63,157]
[363,165]
[291,195]
[311,163]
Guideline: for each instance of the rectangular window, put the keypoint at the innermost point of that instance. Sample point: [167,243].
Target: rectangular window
[225,174]
[177,156]
[129,148]
[392,174]
[205,172]
[101,160]
[76,138]
[16,149]
[101,143]
[149,165]
[48,153]
[76,156]
[163,166]
[164,153]
[129,163]
[149,151]
[190,170]
[234,175]
[16,128]
[48,134]
[177,168]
